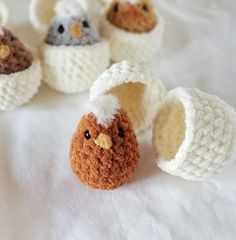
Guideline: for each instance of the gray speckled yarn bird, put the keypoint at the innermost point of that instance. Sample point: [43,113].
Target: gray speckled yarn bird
[71,26]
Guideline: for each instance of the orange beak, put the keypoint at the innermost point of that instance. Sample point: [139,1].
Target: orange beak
[5,51]
[103,141]
[76,31]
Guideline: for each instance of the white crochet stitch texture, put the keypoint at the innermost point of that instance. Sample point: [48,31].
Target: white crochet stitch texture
[133,47]
[194,134]
[73,69]
[139,92]
[18,88]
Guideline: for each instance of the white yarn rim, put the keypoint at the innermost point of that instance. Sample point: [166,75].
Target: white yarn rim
[173,166]
[181,95]
[139,40]
[101,46]
[125,72]
[19,78]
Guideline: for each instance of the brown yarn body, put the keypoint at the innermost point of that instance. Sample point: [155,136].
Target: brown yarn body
[19,58]
[132,17]
[104,168]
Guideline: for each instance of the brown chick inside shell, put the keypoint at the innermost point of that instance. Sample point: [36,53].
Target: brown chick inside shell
[104,158]
[136,18]
[13,55]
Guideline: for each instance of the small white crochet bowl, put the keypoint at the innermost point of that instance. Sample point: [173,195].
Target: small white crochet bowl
[133,47]
[139,92]
[68,69]
[194,134]
[18,88]
[72,69]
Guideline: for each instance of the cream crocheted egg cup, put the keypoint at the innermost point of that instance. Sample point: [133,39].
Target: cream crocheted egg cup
[18,88]
[194,134]
[72,69]
[68,69]
[139,92]
[133,47]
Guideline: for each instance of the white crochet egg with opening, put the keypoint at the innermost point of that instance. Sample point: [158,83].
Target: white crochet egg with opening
[133,47]
[194,134]
[72,69]
[18,88]
[139,92]
[68,68]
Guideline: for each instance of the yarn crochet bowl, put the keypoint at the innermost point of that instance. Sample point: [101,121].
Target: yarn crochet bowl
[73,54]
[139,47]
[139,92]
[194,134]
[20,72]
[104,149]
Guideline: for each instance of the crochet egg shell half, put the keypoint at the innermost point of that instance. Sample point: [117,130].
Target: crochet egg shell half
[140,94]
[104,149]
[72,69]
[194,134]
[18,88]
[68,68]
[133,47]
[20,72]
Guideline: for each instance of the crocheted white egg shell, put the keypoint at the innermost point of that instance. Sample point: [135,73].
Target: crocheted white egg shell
[20,72]
[194,134]
[72,69]
[19,87]
[133,46]
[73,54]
[140,94]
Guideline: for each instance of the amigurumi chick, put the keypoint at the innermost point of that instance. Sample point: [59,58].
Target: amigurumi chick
[104,150]
[75,30]
[13,55]
[137,16]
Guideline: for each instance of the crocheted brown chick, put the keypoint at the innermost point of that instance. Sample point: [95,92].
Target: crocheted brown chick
[104,150]
[137,16]
[13,55]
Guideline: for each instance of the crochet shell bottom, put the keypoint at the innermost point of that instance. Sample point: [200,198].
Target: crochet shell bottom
[133,47]
[73,69]
[18,88]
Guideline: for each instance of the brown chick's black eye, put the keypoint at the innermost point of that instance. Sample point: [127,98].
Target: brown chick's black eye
[116,7]
[145,8]
[61,29]
[87,134]
[85,24]
[121,133]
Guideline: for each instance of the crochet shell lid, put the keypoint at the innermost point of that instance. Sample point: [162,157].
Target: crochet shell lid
[139,92]
[194,133]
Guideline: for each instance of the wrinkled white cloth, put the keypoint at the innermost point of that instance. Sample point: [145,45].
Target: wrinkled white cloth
[40,198]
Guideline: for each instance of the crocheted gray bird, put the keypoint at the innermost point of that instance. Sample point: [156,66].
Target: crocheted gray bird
[71,26]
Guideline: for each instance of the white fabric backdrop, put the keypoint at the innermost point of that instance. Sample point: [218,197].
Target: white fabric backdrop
[40,198]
